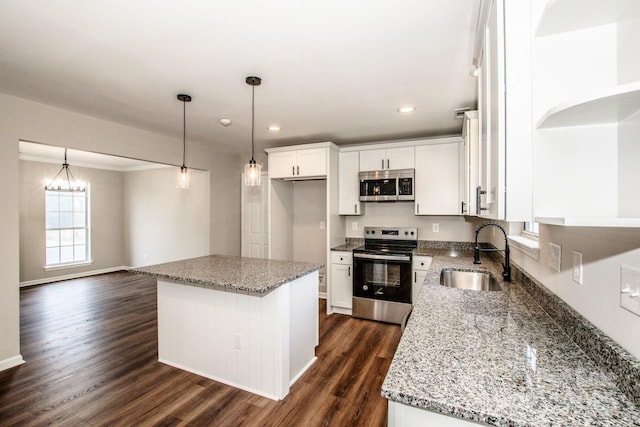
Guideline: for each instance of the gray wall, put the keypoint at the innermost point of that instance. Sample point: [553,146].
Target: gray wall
[309,209]
[106,207]
[31,121]
[162,222]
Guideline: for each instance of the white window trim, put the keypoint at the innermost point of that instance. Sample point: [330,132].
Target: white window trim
[67,265]
[527,245]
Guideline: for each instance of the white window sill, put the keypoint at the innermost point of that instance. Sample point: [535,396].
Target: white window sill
[525,245]
[68,265]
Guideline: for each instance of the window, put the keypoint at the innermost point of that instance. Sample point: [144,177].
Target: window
[67,227]
[531,229]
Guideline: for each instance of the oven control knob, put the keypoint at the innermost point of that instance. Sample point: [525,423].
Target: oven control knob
[412,233]
[373,231]
[365,287]
[406,233]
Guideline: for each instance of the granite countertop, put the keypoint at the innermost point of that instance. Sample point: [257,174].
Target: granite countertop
[497,358]
[351,244]
[255,275]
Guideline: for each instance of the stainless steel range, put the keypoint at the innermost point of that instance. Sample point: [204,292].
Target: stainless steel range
[382,274]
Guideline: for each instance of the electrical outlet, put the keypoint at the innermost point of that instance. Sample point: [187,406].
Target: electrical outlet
[237,341]
[354,225]
[322,225]
[577,267]
[630,289]
[436,228]
[555,257]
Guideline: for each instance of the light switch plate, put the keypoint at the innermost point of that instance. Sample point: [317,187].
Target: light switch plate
[436,228]
[555,257]
[577,267]
[354,225]
[630,289]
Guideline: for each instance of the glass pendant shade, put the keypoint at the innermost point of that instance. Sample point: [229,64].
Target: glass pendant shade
[252,172]
[184,178]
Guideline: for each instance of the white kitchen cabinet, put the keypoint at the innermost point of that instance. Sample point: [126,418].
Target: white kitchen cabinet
[349,184]
[306,163]
[341,281]
[468,163]
[387,159]
[421,265]
[586,123]
[505,152]
[437,189]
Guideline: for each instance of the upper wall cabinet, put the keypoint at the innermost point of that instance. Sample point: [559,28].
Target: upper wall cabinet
[349,193]
[468,163]
[302,163]
[504,58]
[437,178]
[586,100]
[384,159]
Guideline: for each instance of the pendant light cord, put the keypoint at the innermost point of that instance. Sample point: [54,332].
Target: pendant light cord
[184,132]
[253,103]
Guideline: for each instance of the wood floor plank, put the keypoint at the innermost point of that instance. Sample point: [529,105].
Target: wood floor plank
[91,351]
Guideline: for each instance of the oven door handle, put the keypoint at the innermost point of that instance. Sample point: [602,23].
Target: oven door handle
[406,258]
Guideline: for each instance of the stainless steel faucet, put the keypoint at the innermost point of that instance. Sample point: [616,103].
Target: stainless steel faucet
[506,267]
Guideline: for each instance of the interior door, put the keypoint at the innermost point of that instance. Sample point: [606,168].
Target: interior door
[254,219]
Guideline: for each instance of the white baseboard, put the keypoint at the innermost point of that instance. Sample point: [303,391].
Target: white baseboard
[302,371]
[322,295]
[11,362]
[72,276]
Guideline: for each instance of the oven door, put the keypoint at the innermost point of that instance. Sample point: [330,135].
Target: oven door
[382,277]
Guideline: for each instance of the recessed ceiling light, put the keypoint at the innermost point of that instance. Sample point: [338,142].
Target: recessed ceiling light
[274,128]
[225,122]
[406,109]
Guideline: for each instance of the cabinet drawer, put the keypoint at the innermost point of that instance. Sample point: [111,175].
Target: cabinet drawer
[422,262]
[339,257]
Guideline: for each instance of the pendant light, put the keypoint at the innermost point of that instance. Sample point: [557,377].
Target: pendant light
[67,182]
[252,170]
[184,179]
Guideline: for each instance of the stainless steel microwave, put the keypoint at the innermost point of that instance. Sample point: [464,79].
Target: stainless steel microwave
[387,185]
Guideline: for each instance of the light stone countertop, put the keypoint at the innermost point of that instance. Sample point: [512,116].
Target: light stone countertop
[497,358]
[255,275]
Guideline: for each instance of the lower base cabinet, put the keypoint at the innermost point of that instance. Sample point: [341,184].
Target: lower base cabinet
[341,281]
[420,268]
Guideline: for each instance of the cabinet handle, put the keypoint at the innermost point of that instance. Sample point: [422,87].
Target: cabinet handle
[417,208]
[349,271]
[382,164]
[462,209]
[479,193]
[293,170]
[415,277]
[388,167]
[355,208]
[298,167]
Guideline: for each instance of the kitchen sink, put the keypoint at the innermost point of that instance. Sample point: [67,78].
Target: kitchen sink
[473,280]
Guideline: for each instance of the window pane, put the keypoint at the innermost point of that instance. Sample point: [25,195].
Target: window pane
[66,202]
[66,237]
[78,219]
[78,202]
[53,256]
[79,253]
[66,219]
[53,238]
[52,220]
[66,254]
[51,202]
[79,237]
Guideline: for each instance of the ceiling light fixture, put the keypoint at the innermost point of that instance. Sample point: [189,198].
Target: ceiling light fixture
[406,109]
[61,184]
[475,72]
[184,179]
[225,122]
[274,128]
[252,170]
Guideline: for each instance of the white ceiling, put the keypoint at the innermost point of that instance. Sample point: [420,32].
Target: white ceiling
[332,70]
[51,154]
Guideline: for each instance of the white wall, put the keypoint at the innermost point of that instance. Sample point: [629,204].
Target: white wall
[401,214]
[604,251]
[105,207]
[162,222]
[31,121]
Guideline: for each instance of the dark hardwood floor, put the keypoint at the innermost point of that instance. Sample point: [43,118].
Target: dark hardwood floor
[91,351]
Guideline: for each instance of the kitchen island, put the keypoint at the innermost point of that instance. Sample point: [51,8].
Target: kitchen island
[498,358]
[247,322]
